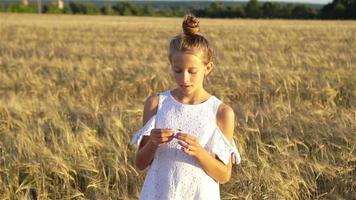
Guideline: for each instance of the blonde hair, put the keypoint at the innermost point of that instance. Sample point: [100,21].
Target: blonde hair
[191,40]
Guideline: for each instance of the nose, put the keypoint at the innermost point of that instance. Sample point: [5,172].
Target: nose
[185,77]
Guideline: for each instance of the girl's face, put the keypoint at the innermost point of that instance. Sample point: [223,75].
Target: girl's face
[189,71]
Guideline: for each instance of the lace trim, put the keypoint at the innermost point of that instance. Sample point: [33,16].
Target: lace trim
[220,146]
[145,130]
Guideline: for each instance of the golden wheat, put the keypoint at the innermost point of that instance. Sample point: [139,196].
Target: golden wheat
[73,87]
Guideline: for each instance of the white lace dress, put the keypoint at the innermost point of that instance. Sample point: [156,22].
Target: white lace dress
[173,174]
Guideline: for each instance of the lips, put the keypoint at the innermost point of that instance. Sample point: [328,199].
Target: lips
[185,86]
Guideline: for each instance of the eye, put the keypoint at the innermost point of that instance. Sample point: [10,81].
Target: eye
[177,71]
[193,71]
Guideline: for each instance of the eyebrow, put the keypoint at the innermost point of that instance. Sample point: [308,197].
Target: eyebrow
[187,67]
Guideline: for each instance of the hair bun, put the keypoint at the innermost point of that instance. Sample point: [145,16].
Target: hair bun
[191,25]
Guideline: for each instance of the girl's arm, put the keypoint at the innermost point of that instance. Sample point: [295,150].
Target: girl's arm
[147,149]
[212,165]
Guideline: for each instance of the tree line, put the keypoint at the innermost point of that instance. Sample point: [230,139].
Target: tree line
[337,9]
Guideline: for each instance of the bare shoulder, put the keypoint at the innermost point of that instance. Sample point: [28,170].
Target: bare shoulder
[225,118]
[150,107]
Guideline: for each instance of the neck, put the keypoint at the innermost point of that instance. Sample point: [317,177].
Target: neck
[195,97]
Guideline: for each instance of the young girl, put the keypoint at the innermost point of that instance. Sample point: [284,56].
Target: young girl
[187,137]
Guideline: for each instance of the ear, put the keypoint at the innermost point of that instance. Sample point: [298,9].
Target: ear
[209,68]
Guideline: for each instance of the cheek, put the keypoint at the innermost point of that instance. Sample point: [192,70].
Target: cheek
[196,78]
[199,76]
[178,77]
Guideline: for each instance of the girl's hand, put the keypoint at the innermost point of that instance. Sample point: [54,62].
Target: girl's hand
[161,136]
[190,144]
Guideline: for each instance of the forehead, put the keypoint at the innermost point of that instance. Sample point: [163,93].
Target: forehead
[186,59]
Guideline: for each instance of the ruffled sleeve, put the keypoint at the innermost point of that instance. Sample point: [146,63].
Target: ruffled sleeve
[145,130]
[220,146]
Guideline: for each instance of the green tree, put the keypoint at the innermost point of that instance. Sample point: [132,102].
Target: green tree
[303,12]
[239,12]
[92,9]
[107,10]
[339,9]
[148,10]
[136,10]
[127,11]
[285,11]
[21,8]
[270,10]
[51,8]
[215,10]
[77,8]
[123,8]
[166,12]
[229,12]
[2,7]
[178,11]
[253,9]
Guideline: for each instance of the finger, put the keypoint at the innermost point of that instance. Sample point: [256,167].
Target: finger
[166,130]
[187,146]
[186,135]
[187,139]
[160,135]
[154,131]
[169,137]
[192,137]
[192,148]
[159,139]
[167,134]
[156,136]
[188,151]
[160,131]
[182,136]
[183,144]
[164,140]
[191,140]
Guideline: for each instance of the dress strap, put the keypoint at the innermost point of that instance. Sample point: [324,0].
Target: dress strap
[220,146]
[144,131]
[216,104]
[161,97]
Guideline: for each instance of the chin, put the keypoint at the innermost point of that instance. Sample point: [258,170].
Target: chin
[188,90]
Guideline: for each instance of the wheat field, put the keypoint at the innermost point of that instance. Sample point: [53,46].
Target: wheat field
[72,90]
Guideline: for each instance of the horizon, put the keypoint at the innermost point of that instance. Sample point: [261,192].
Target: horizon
[281,1]
[301,1]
